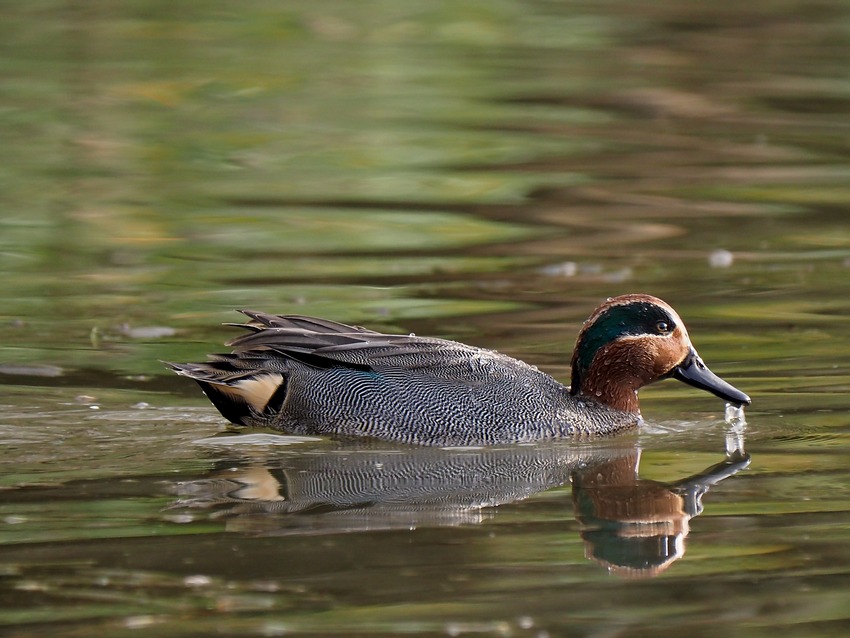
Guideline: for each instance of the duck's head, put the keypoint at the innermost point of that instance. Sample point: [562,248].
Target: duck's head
[631,341]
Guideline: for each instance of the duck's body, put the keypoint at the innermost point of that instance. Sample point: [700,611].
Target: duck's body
[329,378]
[304,375]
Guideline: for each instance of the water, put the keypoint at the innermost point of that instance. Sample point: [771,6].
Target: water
[483,173]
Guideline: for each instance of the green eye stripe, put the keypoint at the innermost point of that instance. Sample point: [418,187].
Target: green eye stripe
[632,319]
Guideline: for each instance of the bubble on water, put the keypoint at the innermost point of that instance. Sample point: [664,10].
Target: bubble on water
[721,258]
[139,622]
[146,332]
[197,580]
[564,269]
[31,585]
[525,622]
[460,628]
[274,629]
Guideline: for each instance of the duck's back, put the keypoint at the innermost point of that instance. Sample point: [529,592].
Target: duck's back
[311,376]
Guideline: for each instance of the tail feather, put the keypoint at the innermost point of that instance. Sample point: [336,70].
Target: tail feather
[249,385]
[240,395]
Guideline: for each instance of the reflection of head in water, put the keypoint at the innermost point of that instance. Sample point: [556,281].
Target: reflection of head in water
[634,527]
[637,527]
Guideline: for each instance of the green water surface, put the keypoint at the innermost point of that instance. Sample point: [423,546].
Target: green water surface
[487,172]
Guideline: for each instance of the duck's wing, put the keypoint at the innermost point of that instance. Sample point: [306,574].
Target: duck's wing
[261,321]
[322,343]
[250,384]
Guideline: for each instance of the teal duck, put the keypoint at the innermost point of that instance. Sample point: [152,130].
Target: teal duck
[309,376]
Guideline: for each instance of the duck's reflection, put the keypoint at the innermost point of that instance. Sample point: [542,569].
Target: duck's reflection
[630,525]
[637,527]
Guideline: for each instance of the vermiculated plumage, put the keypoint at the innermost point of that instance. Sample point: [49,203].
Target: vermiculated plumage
[345,380]
[304,375]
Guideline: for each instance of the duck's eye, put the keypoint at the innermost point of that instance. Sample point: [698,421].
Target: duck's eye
[662,327]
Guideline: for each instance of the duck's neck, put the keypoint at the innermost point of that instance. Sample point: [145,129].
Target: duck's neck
[612,379]
[609,392]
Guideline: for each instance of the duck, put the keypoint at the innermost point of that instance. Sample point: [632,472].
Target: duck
[314,377]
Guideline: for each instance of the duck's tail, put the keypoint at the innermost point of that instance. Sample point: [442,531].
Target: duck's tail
[243,397]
